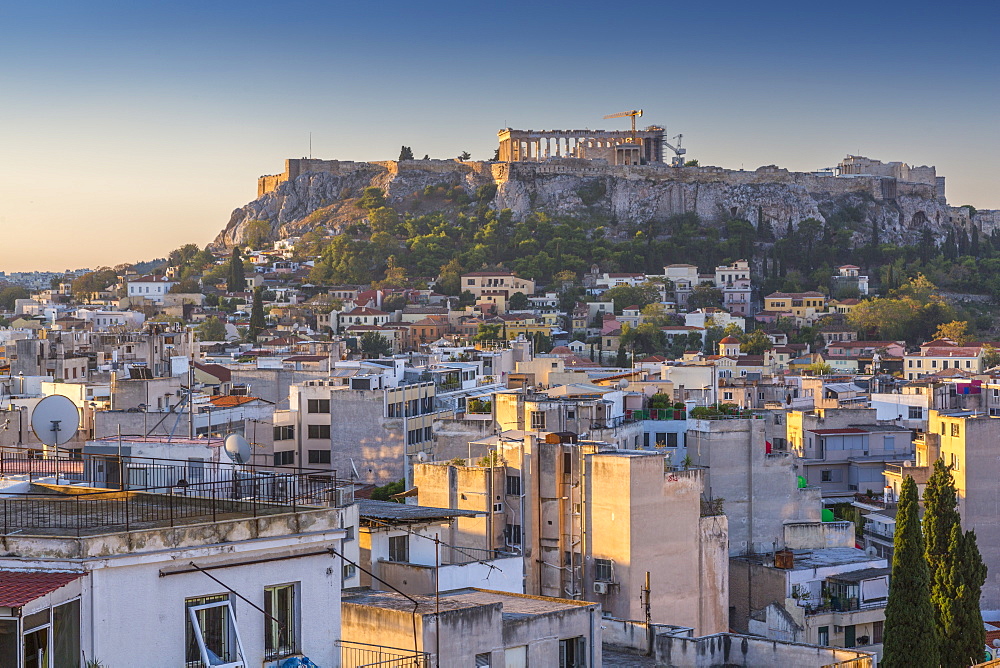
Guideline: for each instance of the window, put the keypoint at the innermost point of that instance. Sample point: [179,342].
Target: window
[956,462]
[284,432]
[281,637]
[319,456]
[212,636]
[514,485]
[823,635]
[570,415]
[877,628]
[916,412]
[483,660]
[399,548]
[572,652]
[537,420]
[349,571]
[349,531]
[603,570]
[661,438]
[512,534]
[954,429]
[286,458]
[672,439]
[319,431]
[831,475]
[318,406]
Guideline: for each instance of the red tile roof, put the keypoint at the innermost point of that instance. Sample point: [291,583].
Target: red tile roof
[18,588]
[230,401]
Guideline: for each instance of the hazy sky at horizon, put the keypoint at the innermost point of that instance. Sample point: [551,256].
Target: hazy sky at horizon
[130,130]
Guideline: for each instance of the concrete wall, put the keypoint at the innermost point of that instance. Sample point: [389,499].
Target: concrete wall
[809,535]
[728,649]
[760,491]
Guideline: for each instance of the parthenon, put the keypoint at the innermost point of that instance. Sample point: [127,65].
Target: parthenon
[615,146]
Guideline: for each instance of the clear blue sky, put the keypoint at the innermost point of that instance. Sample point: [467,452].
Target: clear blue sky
[131,128]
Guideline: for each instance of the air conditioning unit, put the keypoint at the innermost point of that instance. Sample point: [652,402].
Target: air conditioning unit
[601,587]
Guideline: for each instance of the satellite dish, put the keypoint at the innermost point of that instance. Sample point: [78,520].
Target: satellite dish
[55,420]
[623,384]
[421,456]
[238,449]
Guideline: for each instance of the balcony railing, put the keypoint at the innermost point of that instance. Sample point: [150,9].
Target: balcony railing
[657,414]
[363,655]
[844,605]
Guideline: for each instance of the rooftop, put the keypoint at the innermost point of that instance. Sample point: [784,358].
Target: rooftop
[515,606]
[401,512]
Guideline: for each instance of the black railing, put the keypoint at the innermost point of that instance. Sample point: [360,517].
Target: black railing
[362,655]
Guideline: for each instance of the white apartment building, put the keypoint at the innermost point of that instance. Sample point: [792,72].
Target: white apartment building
[151,288]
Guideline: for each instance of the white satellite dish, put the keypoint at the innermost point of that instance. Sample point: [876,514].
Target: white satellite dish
[238,448]
[623,384]
[55,420]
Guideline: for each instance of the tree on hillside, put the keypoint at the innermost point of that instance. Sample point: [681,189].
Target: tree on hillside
[910,634]
[956,330]
[374,344]
[487,332]
[518,301]
[212,329]
[257,321]
[257,233]
[755,342]
[372,198]
[704,296]
[627,295]
[187,286]
[405,153]
[10,294]
[94,281]
[464,155]
[236,279]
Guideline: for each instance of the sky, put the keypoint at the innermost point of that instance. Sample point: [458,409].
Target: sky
[129,129]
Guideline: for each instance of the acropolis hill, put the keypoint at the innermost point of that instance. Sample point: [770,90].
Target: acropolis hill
[608,177]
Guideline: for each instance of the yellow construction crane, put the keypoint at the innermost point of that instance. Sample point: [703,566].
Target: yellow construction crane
[633,114]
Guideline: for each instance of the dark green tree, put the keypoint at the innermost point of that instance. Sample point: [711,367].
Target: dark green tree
[940,515]
[464,155]
[212,329]
[405,153]
[621,357]
[374,344]
[518,301]
[256,314]
[910,633]
[236,280]
[955,595]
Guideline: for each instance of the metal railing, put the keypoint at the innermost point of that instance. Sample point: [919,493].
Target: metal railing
[657,414]
[363,655]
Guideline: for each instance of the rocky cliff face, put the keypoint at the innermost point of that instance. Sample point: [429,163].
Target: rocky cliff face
[623,195]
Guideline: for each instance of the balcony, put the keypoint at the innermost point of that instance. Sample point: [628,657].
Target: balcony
[363,655]
[656,414]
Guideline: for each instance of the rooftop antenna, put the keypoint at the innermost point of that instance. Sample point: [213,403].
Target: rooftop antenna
[310,145]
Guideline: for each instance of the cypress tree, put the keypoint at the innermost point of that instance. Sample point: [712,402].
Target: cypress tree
[236,281]
[956,592]
[256,314]
[910,634]
[940,515]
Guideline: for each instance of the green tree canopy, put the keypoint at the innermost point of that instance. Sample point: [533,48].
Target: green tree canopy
[374,344]
[405,153]
[9,294]
[211,329]
[236,279]
[628,295]
[910,633]
[518,301]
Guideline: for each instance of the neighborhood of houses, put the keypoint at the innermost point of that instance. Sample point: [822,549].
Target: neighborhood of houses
[394,477]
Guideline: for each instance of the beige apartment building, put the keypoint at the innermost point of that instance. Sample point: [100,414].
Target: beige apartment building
[967,442]
[591,521]
[496,287]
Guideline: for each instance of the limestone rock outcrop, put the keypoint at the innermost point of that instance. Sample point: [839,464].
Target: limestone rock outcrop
[623,196]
